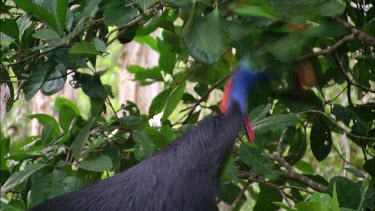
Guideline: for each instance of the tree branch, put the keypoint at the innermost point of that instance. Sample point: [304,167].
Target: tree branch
[335,123]
[238,198]
[329,49]
[305,180]
[347,77]
[205,95]
[357,33]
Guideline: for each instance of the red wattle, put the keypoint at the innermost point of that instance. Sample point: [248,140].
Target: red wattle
[249,129]
[224,105]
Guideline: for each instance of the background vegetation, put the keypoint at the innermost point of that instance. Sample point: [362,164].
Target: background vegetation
[314,120]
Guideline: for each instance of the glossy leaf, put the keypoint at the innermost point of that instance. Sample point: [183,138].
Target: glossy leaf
[277,122]
[66,115]
[321,140]
[47,186]
[173,100]
[60,102]
[98,164]
[254,11]
[349,199]
[266,196]
[55,82]
[253,158]
[203,38]
[81,139]
[44,119]
[19,177]
[37,78]
[116,14]
[83,48]
[144,147]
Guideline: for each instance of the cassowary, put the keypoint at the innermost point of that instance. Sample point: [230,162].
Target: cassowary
[182,176]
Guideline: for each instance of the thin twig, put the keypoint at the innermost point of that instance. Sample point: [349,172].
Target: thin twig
[153,10]
[337,151]
[346,75]
[298,188]
[334,122]
[238,198]
[278,149]
[285,197]
[205,95]
[281,161]
[305,180]
[329,49]
[357,33]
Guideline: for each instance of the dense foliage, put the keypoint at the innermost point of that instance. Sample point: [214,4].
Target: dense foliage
[319,55]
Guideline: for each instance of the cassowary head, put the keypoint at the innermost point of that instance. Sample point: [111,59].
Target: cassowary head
[236,91]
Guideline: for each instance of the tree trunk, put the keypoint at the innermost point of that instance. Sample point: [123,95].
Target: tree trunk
[134,53]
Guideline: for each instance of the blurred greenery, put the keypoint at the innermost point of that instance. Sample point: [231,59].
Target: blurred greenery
[314,118]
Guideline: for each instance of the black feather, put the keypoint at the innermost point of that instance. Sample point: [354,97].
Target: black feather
[183,176]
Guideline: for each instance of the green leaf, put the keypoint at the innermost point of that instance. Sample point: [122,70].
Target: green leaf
[266,196]
[39,12]
[259,113]
[276,122]
[131,121]
[47,133]
[254,11]
[145,4]
[159,102]
[305,167]
[72,183]
[44,119]
[288,48]
[284,206]
[116,14]
[13,205]
[332,8]
[10,28]
[167,59]
[335,201]
[296,140]
[369,166]
[60,102]
[99,45]
[364,192]
[4,149]
[322,198]
[228,192]
[144,147]
[81,139]
[98,164]
[142,74]
[114,153]
[203,37]
[349,199]
[47,186]
[19,177]
[229,172]
[61,10]
[157,137]
[55,82]
[173,100]
[147,40]
[37,78]
[321,140]
[47,34]
[311,206]
[253,158]
[66,115]
[83,48]
[355,172]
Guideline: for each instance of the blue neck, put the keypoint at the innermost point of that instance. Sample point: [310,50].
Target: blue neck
[243,80]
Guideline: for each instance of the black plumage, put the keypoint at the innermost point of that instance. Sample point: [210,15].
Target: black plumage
[182,176]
